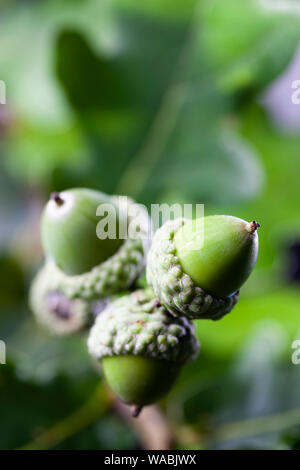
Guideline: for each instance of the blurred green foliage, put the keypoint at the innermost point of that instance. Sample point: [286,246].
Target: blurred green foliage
[159,100]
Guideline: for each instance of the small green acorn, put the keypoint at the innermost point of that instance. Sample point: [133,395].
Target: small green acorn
[68,230]
[74,245]
[196,267]
[65,303]
[226,257]
[141,347]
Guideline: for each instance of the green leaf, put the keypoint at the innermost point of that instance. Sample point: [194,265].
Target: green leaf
[223,338]
[248,47]
[33,153]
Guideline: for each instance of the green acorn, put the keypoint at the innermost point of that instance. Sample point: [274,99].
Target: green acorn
[64,303]
[118,269]
[68,230]
[226,257]
[58,314]
[141,347]
[196,267]
[53,310]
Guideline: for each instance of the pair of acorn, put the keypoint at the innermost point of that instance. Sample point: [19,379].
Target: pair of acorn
[195,269]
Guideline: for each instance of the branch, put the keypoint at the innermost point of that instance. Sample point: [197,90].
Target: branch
[151,427]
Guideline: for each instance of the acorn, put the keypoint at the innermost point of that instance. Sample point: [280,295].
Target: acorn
[57,313]
[84,265]
[68,230]
[141,347]
[64,302]
[196,267]
[53,310]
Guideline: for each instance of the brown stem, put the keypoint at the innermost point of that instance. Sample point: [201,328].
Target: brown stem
[56,198]
[151,428]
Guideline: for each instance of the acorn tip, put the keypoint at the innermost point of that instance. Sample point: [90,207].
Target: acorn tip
[135,410]
[253,226]
[56,198]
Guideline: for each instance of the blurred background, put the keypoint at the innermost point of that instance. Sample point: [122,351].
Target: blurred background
[165,101]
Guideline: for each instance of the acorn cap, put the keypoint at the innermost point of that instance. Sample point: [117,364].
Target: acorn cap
[53,310]
[138,325]
[174,288]
[115,274]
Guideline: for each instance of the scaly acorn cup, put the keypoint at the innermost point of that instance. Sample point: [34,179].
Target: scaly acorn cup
[196,268]
[141,347]
[64,303]
[57,313]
